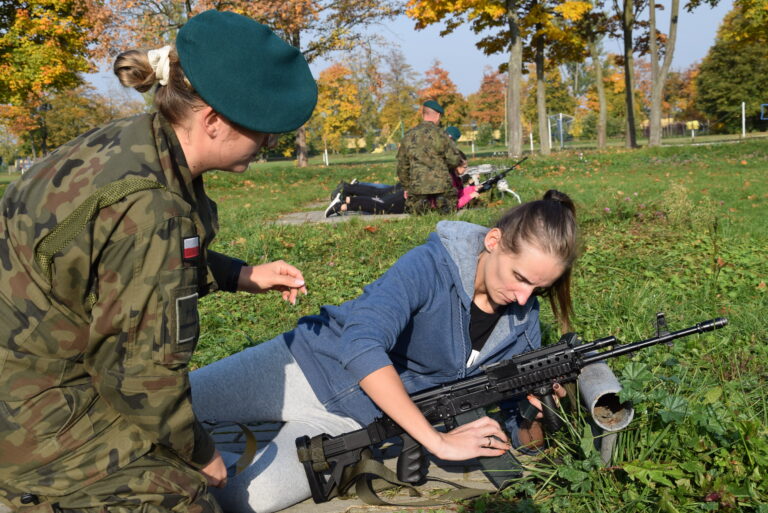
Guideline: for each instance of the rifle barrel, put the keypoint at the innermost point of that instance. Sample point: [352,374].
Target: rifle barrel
[701,327]
[597,344]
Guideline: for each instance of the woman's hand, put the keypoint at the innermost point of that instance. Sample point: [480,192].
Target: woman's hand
[481,437]
[215,471]
[559,393]
[531,434]
[277,275]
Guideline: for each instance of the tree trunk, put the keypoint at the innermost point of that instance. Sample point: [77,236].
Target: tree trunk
[659,74]
[541,99]
[628,20]
[602,118]
[514,81]
[302,150]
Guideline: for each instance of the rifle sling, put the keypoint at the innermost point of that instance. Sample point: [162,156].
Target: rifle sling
[370,477]
[249,453]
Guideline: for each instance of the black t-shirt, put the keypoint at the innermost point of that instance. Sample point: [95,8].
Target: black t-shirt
[481,325]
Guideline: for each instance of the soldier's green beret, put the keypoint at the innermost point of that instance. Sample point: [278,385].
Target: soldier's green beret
[245,72]
[454,132]
[432,104]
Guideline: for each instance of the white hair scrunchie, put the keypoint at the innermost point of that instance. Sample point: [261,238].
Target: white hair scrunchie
[160,63]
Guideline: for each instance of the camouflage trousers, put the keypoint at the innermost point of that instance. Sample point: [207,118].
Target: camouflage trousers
[444,203]
[155,483]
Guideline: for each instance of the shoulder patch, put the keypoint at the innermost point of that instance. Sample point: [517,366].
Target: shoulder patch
[191,247]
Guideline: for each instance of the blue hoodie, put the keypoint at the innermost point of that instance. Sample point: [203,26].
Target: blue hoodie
[415,317]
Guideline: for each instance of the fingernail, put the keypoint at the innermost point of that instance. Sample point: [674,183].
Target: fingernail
[299,283]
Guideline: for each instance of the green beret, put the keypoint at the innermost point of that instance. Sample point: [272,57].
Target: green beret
[454,132]
[246,73]
[432,104]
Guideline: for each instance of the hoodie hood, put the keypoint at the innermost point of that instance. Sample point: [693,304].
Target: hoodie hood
[464,242]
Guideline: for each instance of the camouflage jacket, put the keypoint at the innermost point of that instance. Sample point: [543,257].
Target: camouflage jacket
[425,158]
[103,255]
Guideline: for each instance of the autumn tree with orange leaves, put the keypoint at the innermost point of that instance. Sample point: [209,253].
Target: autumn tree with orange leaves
[43,47]
[442,89]
[486,106]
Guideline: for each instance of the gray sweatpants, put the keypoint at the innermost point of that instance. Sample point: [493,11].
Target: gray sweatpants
[264,384]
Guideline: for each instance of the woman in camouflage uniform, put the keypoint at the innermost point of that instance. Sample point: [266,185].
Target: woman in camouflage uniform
[103,256]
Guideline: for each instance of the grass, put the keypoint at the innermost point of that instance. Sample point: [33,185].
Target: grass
[674,229]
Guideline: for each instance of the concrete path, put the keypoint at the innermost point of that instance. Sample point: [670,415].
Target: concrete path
[318,216]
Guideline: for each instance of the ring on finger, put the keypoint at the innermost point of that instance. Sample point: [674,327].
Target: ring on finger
[490,442]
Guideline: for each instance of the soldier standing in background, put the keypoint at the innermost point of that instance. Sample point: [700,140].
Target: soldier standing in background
[424,161]
[103,256]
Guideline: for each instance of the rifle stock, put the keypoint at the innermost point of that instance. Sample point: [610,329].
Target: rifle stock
[451,404]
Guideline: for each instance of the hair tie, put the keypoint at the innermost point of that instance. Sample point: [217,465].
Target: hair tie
[161,63]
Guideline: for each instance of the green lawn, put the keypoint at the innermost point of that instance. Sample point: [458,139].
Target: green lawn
[674,229]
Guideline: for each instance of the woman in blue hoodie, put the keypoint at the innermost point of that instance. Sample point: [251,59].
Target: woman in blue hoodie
[464,299]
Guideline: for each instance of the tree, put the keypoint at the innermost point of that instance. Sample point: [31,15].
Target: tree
[75,111]
[754,19]
[486,106]
[659,71]
[337,106]
[441,88]
[681,93]
[317,27]
[554,42]
[400,98]
[558,100]
[627,12]
[733,71]
[43,47]
[592,28]
[365,65]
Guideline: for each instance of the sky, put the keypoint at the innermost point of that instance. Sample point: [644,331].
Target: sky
[465,63]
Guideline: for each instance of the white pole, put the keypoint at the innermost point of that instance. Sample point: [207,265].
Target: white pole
[743,120]
[325,157]
[530,134]
[549,130]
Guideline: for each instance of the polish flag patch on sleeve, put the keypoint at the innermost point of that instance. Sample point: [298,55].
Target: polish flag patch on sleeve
[191,247]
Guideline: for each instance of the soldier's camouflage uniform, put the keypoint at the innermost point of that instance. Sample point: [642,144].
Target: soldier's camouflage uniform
[103,255]
[424,161]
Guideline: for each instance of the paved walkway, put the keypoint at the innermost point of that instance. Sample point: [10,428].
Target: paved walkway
[318,216]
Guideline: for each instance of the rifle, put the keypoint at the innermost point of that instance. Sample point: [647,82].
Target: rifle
[453,404]
[492,181]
